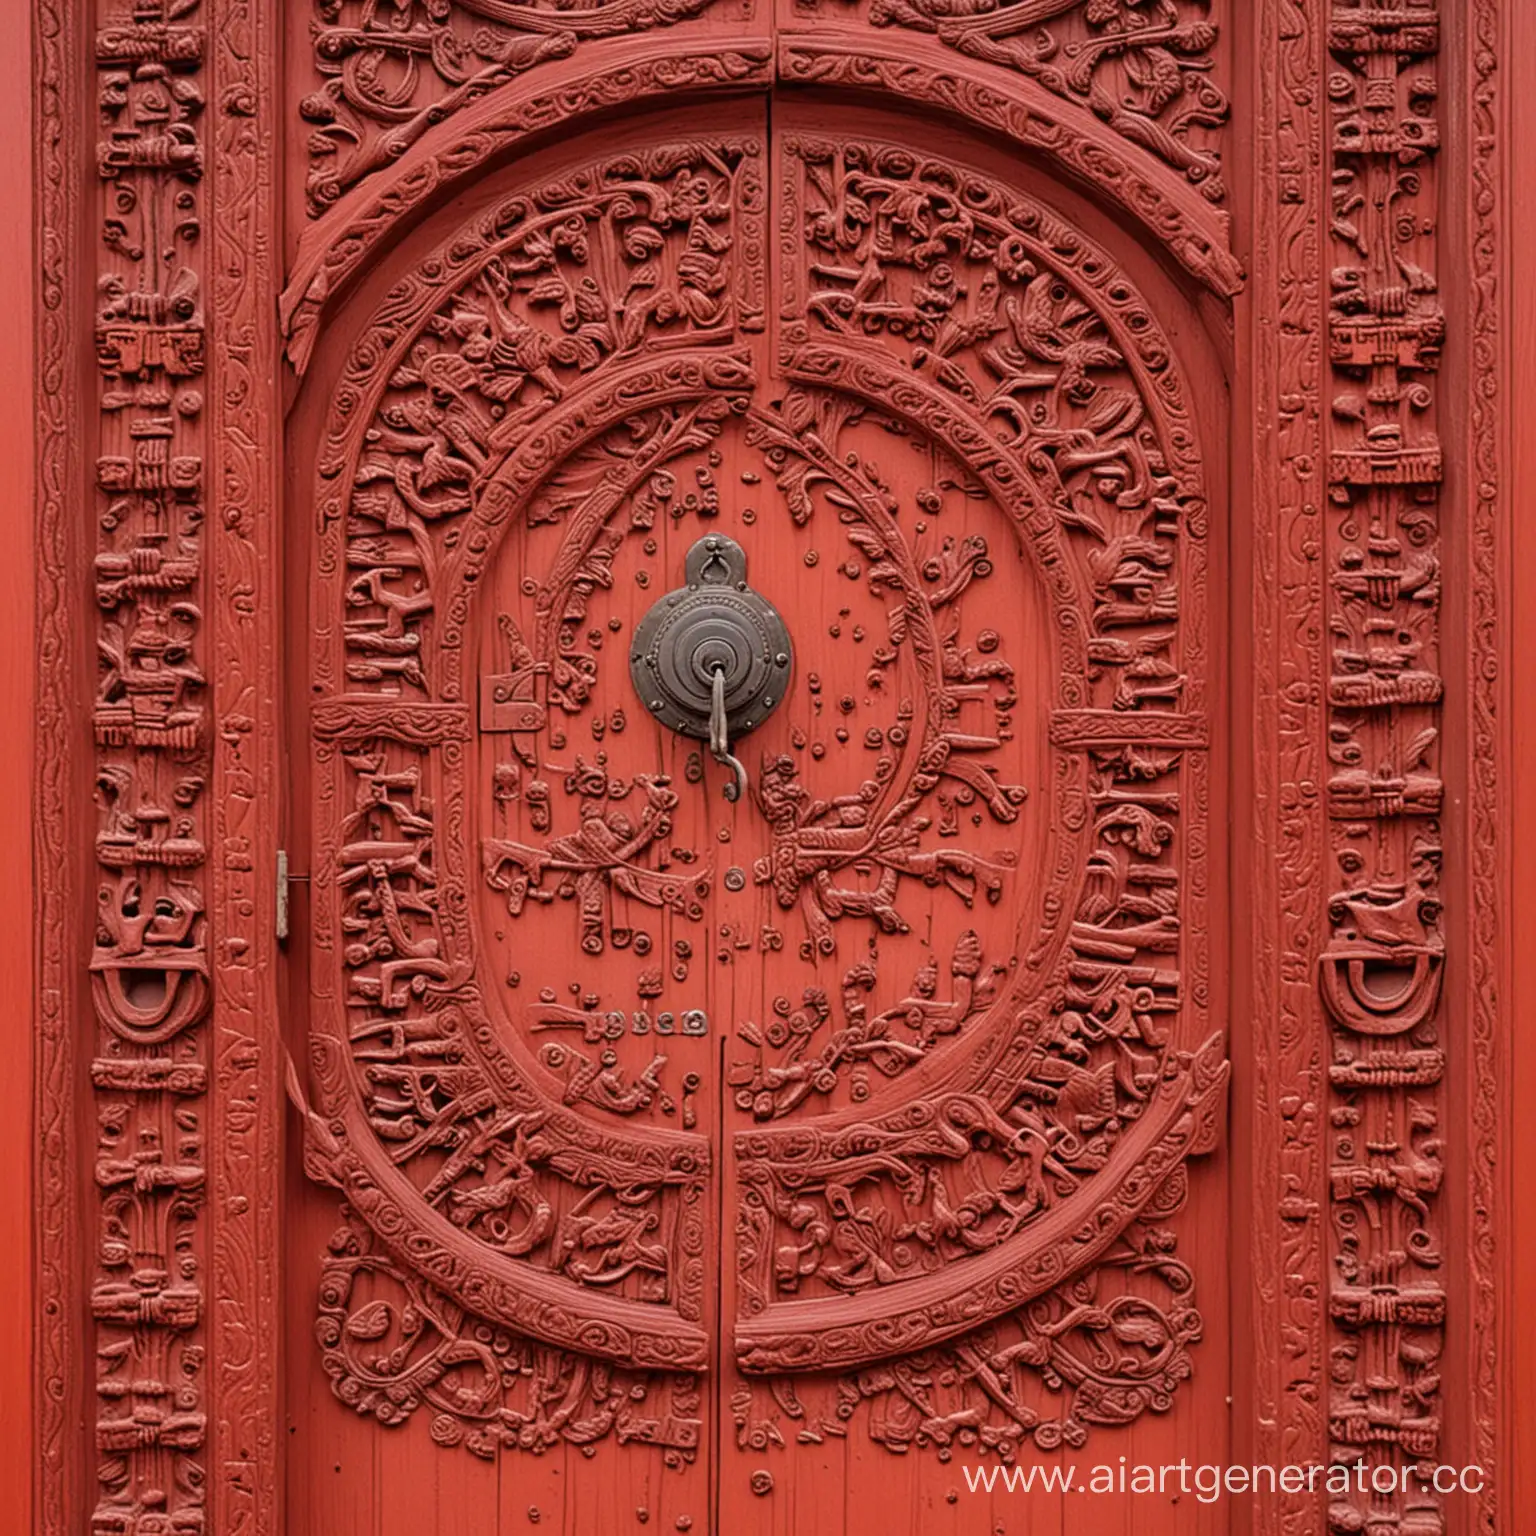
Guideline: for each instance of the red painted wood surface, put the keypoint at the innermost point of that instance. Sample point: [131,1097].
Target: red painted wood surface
[17,708]
[1113,401]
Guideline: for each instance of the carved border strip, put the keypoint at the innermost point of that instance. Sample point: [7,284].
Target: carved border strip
[59,1390]
[247,1113]
[1491,1018]
[1288,1062]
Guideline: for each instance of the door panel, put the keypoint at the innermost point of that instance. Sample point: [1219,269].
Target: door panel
[919,1283]
[740,1164]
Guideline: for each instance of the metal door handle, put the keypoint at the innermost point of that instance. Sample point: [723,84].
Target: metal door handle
[712,659]
[719,741]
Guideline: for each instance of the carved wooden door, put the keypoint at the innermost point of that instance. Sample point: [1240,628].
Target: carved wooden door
[744,1163]
[699,664]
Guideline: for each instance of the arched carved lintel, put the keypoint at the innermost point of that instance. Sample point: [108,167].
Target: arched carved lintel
[335,249]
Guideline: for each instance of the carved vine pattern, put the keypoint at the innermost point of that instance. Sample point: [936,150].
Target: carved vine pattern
[334,249]
[1104,1353]
[1146,68]
[1487,220]
[385,78]
[392,1345]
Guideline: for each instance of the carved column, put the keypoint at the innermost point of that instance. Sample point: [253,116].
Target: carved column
[1359,1267]
[1382,964]
[159,1055]
[149,963]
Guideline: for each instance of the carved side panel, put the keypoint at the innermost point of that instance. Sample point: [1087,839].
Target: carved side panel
[150,964]
[977,313]
[1381,967]
[491,1193]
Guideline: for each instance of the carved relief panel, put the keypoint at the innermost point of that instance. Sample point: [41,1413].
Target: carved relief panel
[863,1105]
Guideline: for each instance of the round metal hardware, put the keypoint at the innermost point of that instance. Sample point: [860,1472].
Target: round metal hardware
[715,625]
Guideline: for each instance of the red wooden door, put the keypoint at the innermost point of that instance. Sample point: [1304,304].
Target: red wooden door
[474,436]
[761,1165]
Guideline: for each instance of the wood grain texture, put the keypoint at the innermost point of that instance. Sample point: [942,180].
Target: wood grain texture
[18,574]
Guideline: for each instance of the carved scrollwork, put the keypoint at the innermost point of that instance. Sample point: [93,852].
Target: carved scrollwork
[386,78]
[789,1068]
[1146,68]
[1090,1352]
[393,1346]
[1176,214]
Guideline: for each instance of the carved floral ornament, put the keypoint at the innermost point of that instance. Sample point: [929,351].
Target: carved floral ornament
[525,1222]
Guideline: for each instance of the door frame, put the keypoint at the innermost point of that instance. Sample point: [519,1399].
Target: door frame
[1488,261]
